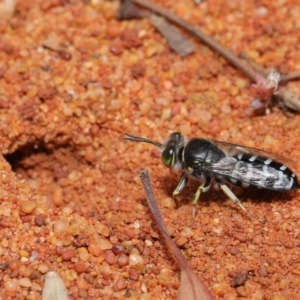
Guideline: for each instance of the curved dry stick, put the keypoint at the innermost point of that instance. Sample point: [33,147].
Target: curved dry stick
[191,287]
[290,76]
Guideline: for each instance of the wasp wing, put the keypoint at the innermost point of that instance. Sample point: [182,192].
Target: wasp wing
[255,174]
[233,150]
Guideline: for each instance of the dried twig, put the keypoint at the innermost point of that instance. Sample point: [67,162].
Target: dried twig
[191,287]
[289,77]
[254,65]
[202,36]
[284,95]
[265,72]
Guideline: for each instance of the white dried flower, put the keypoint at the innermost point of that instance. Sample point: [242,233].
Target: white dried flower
[272,81]
[265,88]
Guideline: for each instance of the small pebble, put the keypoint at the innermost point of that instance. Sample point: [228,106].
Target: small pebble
[117,249]
[241,291]
[35,274]
[83,254]
[109,257]
[14,265]
[89,278]
[241,237]
[262,11]
[234,250]
[130,233]
[28,207]
[40,220]
[168,202]
[136,261]
[43,268]
[24,253]
[105,244]
[4,266]
[163,277]
[122,260]
[80,267]
[68,254]
[59,250]
[82,293]
[182,241]
[146,296]
[120,285]
[263,272]
[239,279]
[95,249]
[25,282]
[102,229]
[34,255]
[61,227]
[133,274]
[14,274]
[11,285]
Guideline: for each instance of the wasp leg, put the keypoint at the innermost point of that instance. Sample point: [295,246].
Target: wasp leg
[234,198]
[202,188]
[181,185]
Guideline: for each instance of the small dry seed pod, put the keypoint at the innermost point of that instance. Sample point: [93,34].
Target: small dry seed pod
[54,288]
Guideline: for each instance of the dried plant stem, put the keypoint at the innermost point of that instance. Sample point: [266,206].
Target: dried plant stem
[233,59]
[291,76]
[256,67]
[265,72]
[151,200]
[191,287]
[284,95]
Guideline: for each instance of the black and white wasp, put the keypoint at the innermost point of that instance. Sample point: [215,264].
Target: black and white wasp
[228,164]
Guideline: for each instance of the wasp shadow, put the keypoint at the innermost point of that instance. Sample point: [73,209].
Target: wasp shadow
[250,194]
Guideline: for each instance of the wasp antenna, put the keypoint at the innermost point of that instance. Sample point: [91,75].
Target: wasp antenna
[133,138]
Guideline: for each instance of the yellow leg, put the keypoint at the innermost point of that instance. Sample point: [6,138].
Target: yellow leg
[204,187]
[234,198]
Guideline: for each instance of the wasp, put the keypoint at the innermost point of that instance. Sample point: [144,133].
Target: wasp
[227,164]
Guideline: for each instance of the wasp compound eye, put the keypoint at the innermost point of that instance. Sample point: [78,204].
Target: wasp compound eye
[167,157]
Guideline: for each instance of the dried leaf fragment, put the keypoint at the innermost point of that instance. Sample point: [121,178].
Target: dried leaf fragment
[128,10]
[54,288]
[191,287]
[180,44]
[176,40]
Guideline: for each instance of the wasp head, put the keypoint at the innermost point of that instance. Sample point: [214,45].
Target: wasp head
[170,154]
[170,151]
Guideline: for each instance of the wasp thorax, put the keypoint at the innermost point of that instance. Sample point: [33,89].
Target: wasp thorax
[169,156]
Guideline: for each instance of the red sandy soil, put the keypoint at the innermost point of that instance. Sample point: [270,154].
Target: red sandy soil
[73,81]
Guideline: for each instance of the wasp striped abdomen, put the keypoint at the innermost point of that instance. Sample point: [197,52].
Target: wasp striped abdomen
[263,172]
